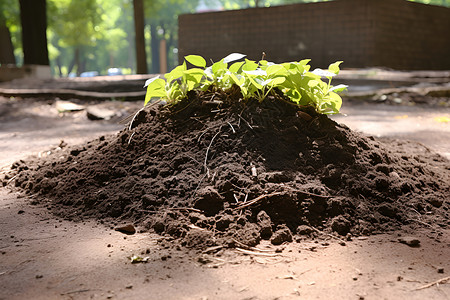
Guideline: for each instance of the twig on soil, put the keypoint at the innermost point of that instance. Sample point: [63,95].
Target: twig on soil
[149,211]
[257,253]
[420,222]
[75,292]
[173,208]
[235,198]
[251,202]
[131,136]
[246,123]
[11,179]
[213,249]
[207,151]
[232,128]
[242,245]
[134,117]
[313,195]
[7,167]
[123,121]
[437,282]
[198,185]
[185,208]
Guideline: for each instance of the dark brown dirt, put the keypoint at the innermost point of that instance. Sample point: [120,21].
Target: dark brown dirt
[214,170]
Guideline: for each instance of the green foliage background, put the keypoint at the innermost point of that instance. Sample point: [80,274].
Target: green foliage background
[87,35]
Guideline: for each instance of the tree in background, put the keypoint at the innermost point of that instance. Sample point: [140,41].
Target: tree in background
[141,57]
[33,18]
[98,34]
[162,17]
[8,11]
[75,24]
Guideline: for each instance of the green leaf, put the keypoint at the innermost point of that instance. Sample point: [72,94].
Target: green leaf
[277,81]
[155,89]
[196,60]
[339,88]
[236,66]
[334,68]
[249,65]
[148,81]
[275,70]
[238,79]
[176,73]
[218,67]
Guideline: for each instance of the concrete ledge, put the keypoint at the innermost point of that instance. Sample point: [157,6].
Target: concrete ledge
[8,72]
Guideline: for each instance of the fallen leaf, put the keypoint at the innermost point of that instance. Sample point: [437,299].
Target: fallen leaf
[442,119]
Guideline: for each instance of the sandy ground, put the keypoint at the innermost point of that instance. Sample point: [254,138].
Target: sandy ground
[42,257]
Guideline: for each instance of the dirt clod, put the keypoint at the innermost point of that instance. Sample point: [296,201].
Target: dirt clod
[410,241]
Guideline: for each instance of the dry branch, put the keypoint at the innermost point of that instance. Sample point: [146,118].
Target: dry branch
[251,202]
[437,282]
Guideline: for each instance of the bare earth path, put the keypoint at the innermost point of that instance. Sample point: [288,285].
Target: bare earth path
[42,257]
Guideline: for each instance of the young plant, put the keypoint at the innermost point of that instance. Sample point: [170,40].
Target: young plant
[255,80]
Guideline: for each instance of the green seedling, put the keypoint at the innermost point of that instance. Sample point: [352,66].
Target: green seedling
[255,79]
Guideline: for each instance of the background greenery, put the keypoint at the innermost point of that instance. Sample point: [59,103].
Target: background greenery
[94,35]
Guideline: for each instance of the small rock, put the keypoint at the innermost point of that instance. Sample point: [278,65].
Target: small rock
[21,212]
[410,241]
[39,276]
[127,229]
[67,106]
[204,260]
[130,286]
[96,113]
[440,270]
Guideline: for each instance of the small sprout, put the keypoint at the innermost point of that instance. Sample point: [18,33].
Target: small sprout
[255,79]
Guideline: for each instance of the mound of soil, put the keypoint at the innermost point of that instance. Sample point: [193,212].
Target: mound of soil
[215,170]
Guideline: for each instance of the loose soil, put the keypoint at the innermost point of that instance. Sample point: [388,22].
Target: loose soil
[216,171]
[47,257]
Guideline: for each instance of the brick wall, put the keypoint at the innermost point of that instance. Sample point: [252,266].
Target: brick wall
[364,33]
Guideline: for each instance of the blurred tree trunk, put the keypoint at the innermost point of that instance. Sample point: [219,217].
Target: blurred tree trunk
[154,46]
[33,17]
[141,58]
[7,49]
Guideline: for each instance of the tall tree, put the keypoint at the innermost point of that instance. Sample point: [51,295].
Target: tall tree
[7,49]
[141,57]
[33,17]
[163,19]
[76,24]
